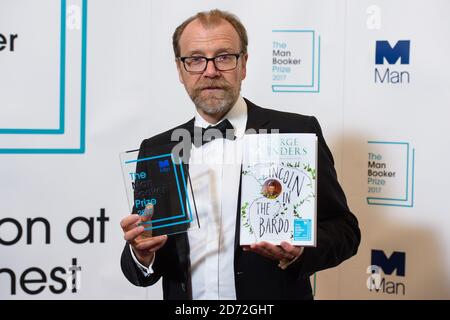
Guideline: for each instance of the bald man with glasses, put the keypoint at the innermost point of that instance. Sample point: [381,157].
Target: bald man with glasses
[211,56]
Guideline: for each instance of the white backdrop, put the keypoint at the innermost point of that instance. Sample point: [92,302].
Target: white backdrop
[83,80]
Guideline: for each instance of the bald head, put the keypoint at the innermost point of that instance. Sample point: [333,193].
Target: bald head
[209,19]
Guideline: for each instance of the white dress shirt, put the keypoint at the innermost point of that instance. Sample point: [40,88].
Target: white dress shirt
[214,169]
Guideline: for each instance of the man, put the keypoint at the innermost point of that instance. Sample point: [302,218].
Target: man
[208,263]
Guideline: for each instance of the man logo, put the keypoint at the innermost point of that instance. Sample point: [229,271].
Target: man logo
[380,262]
[395,262]
[384,51]
[392,54]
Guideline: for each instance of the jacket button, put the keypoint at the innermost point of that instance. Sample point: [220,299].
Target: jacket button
[183,286]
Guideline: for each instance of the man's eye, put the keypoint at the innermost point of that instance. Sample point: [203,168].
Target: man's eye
[223,58]
[195,60]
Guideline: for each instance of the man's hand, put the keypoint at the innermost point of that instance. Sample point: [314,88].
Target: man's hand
[143,244]
[283,253]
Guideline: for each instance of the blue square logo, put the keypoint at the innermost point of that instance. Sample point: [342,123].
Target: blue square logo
[302,230]
[164,166]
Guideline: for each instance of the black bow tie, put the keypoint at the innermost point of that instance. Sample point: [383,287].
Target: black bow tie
[224,130]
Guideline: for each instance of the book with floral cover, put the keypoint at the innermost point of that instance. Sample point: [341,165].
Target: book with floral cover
[279,189]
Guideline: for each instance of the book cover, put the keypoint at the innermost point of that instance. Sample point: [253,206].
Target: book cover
[279,189]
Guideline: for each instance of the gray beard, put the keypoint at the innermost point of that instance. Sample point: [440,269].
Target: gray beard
[214,105]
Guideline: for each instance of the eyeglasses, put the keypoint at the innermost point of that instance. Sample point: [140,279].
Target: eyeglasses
[222,62]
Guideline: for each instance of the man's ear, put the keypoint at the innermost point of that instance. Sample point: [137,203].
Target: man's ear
[178,63]
[244,65]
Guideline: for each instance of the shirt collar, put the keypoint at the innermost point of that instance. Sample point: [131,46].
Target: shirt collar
[237,116]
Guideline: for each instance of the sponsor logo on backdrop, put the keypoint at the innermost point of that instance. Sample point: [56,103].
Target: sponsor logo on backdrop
[392,62]
[295,61]
[59,126]
[390,174]
[387,274]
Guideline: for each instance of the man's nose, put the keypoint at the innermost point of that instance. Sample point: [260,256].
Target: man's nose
[211,70]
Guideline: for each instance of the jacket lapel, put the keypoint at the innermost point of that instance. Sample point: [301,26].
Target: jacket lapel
[256,117]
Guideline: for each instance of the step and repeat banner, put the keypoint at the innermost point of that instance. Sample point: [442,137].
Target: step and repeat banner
[83,80]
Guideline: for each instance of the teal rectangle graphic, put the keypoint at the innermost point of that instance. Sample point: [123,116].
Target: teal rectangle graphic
[409,183]
[62,90]
[302,229]
[62,84]
[307,88]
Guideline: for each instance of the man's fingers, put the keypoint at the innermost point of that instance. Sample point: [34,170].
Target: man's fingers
[151,243]
[133,233]
[285,251]
[275,251]
[129,222]
[154,249]
[293,250]
[261,251]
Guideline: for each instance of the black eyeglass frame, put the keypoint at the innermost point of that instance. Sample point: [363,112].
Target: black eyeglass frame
[237,55]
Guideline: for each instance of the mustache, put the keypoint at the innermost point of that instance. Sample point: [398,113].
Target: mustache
[213,85]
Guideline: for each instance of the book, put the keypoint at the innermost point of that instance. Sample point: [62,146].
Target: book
[279,189]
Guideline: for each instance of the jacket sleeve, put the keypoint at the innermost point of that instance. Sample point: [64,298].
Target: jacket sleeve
[338,234]
[132,271]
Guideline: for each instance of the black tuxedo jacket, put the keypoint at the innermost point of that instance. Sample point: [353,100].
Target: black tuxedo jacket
[256,277]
